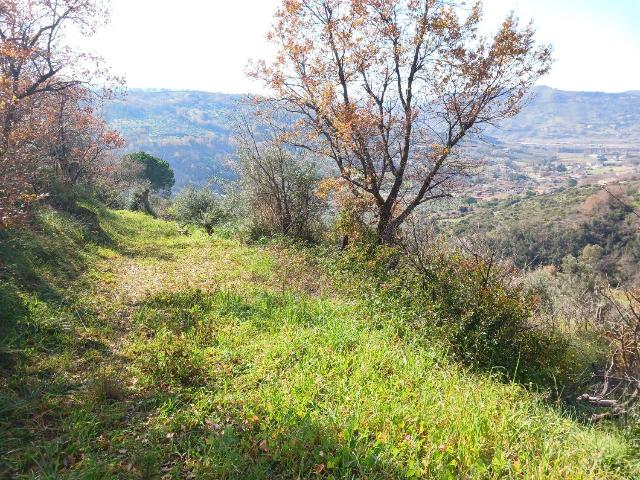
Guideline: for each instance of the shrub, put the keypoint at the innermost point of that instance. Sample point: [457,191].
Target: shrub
[617,387]
[136,199]
[278,187]
[201,207]
[471,302]
[477,309]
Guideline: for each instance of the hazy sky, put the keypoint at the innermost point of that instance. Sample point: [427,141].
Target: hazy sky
[206,44]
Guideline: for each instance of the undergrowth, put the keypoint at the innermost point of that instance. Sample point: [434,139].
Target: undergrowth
[147,353]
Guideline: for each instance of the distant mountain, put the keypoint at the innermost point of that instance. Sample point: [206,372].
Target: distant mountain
[556,116]
[189,129]
[192,129]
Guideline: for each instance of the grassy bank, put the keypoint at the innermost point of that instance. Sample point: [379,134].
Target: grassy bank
[141,352]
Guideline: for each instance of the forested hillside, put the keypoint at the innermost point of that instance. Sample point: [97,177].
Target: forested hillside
[556,116]
[191,129]
[552,229]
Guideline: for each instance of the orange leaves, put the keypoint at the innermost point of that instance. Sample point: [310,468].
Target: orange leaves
[388,88]
[291,7]
[32,86]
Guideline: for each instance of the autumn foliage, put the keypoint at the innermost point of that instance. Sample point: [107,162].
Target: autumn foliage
[388,89]
[47,121]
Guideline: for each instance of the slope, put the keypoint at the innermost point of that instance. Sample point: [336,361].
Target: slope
[557,116]
[144,352]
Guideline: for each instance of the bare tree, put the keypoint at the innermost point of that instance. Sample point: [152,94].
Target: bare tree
[388,88]
[619,386]
[278,185]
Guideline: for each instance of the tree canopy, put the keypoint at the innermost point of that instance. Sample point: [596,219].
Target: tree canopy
[153,169]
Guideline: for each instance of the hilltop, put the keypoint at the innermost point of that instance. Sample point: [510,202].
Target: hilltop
[583,118]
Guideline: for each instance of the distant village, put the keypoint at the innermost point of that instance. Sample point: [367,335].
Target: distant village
[534,169]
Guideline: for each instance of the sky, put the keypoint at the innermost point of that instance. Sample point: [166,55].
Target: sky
[207,44]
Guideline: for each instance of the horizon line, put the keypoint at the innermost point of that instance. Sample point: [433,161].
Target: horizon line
[196,90]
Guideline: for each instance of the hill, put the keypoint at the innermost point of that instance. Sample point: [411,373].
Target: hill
[544,229]
[583,118]
[191,129]
[143,352]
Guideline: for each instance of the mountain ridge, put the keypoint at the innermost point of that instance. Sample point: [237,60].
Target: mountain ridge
[192,128]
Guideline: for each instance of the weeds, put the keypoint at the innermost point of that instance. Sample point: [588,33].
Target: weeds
[165,355]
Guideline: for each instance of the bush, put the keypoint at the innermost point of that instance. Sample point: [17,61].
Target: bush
[59,194]
[487,320]
[468,301]
[278,187]
[201,207]
[136,199]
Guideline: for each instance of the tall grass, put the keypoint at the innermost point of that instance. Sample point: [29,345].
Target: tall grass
[148,353]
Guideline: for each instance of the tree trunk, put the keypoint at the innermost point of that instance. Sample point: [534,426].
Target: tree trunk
[7,125]
[387,228]
[143,203]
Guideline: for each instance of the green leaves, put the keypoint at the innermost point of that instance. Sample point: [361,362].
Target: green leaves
[155,170]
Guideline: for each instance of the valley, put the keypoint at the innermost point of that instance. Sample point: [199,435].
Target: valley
[559,139]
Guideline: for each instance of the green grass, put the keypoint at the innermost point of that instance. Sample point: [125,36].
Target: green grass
[145,353]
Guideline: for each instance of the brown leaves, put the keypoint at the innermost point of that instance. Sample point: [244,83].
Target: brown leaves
[264,446]
[42,98]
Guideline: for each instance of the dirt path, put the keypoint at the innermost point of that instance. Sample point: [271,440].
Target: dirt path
[183,263]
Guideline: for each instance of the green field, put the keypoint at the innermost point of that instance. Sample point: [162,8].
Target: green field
[141,352]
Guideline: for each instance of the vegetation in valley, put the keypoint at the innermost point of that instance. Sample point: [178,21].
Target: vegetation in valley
[596,224]
[192,130]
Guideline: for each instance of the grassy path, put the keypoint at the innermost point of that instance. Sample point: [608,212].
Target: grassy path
[162,355]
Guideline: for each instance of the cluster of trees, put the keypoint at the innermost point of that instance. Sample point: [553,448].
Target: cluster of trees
[386,90]
[276,193]
[53,139]
[50,135]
